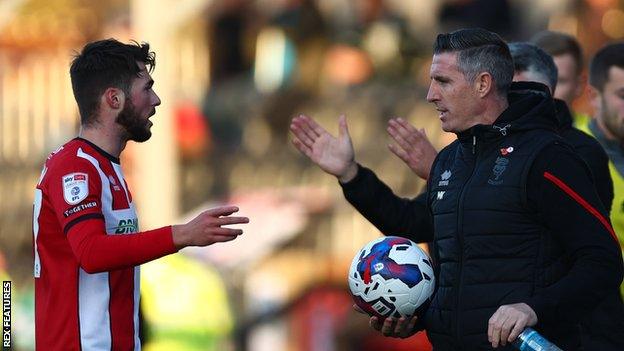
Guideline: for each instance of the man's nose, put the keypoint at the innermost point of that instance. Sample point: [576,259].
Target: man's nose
[156,100]
[432,94]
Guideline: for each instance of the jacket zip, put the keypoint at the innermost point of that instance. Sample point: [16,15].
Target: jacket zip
[460,239]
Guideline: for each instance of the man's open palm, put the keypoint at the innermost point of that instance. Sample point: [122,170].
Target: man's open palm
[333,155]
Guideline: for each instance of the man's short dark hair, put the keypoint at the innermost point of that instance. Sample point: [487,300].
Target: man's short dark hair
[479,51]
[607,57]
[557,44]
[104,64]
[530,58]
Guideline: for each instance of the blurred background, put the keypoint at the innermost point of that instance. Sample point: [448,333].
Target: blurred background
[231,74]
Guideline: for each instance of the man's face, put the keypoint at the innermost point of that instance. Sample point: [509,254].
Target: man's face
[569,83]
[454,97]
[139,106]
[610,105]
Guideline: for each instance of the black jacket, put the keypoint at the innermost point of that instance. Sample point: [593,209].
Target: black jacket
[603,328]
[590,150]
[508,226]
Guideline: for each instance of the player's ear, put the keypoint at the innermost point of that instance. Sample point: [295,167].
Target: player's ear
[114,98]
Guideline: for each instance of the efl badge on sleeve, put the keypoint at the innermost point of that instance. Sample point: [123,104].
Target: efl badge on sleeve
[75,187]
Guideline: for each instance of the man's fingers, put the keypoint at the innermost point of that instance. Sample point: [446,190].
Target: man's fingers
[404,128]
[505,330]
[388,326]
[406,125]
[231,220]
[219,231]
[400,139]
[374,323]
[399,328]
[310,124]
[224,238]
[343,128]
[491,324]
[411,325]
[400,153]
[302,135]
[497,328]
[221,211]
[302,148]
[299,135]
[517,329]
[398,128]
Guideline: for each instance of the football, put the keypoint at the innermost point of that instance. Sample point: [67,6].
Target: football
[391,277]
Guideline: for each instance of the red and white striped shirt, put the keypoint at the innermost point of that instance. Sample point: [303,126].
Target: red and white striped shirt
[86,263]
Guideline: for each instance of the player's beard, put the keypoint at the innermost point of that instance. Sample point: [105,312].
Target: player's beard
[137,128]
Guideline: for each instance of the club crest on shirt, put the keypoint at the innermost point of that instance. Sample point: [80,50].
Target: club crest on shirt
[75,187]
[500,165]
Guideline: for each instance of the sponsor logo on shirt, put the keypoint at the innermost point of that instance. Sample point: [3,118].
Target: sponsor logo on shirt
[127,226]
[79,208]
[445,178]
[75,187]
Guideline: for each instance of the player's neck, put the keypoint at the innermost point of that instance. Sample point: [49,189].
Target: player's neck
[105,139]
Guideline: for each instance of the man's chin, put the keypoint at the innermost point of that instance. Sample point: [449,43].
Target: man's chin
[140,136]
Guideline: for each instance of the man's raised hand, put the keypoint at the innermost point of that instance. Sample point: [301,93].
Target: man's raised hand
[412,146]
[333,155]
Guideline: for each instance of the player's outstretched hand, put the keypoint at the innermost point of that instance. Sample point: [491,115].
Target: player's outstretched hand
[412,146]
[207,228]
[333,155]
[396,328]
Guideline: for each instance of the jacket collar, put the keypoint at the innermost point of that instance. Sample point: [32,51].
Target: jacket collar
[530,107]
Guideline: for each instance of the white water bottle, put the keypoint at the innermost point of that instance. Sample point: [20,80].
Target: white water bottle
[530,340]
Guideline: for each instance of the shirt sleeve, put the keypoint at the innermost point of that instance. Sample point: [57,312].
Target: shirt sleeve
[391,214]
[561,191]
[74,192]
[98,252]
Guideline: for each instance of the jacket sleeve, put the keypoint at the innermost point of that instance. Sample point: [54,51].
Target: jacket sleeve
[598,162]
[391,214]
[561,191]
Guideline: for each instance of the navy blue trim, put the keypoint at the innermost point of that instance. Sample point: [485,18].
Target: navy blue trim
[99,150]
[75,221]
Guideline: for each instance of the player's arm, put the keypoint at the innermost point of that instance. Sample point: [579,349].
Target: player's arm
[78,209]
[391,214]
[561,190]
[98,252]
[74,192]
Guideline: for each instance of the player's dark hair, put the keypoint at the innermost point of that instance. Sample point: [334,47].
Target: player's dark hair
[530,58]
[104,64]
[479,51]
[557,44]
[607,57]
